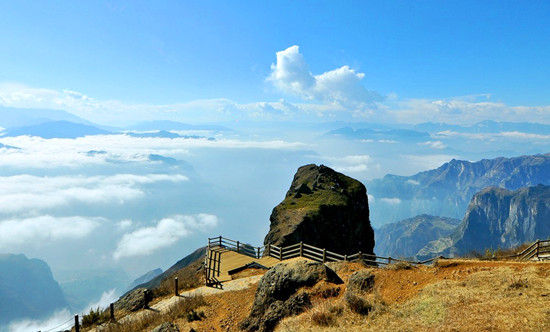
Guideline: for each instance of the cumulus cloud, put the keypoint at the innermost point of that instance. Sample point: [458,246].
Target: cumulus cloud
[165,233]
[23,193]
[341,86]
[44,229]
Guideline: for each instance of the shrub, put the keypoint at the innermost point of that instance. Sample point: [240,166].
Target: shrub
[336,309]
[358,304]
[519,283]
[94,317]
[194,315]
[400,266]
[322,318]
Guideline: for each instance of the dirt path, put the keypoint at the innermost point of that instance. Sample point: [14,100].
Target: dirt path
[165,305]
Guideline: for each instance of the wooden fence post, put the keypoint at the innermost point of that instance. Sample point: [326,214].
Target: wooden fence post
[360,257]
[76,324]
[238,246]
[112,311]
[301,249]
[324,255]
[220,240]
[268,250]
[281,253]
[258,252]
[345,258]
[389,260]
[176,290]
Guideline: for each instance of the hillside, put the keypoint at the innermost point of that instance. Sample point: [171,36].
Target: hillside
[498,218]
[457,295]
[406,237]
[447,190]
[27,289]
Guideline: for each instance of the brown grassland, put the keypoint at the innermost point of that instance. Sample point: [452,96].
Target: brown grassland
[450,295]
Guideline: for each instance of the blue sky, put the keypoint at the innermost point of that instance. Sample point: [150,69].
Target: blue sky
[167,52]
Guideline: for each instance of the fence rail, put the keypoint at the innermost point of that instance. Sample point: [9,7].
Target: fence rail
[539,250]
[212,262]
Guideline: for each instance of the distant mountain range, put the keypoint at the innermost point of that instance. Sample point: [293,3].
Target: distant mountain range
[380,134]
[27,289]
[56,129]
[446,191]
[145,278]
[497,218]
[487,126]
[405,238]
[22,117]
[167,125]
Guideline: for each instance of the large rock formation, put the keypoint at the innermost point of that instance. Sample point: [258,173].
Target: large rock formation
[447,190]
[406,237]
[325,209]
[278,293]
[27,289]
[498,218]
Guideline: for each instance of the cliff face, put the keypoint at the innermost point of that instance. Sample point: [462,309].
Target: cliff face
[447,190]
[27,289]
[323,208]
[499,218]
[406,237]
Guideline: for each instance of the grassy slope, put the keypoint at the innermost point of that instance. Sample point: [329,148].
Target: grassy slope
[462,295]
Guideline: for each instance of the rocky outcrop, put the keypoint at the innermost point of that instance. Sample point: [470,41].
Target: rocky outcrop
[135,300]
[447,190]
[325,209]
[27,289]
[498,218]
[278,294]
[361,281]
[405,238]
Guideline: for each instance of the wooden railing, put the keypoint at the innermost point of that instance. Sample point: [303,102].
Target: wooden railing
[301,250]
[539,249]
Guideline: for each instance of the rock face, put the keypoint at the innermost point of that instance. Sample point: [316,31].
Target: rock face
[277,296]
[405,238]
[27,289]
[498,218]
[325,209]
[447,190]
[135,300]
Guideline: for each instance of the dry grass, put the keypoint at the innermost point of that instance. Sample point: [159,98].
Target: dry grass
[180,312]
[453,295]
[192,276]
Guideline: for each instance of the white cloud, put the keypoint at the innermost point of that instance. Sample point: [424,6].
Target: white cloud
[391,201]
[413,182]
[341,86]
[124,224]
[429,161]
[60,321]
[44,229]
[36,152]
[24,193]
[336,94]
[351,163]
[517,135]
[434,144]
[166,232]
[463,110]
